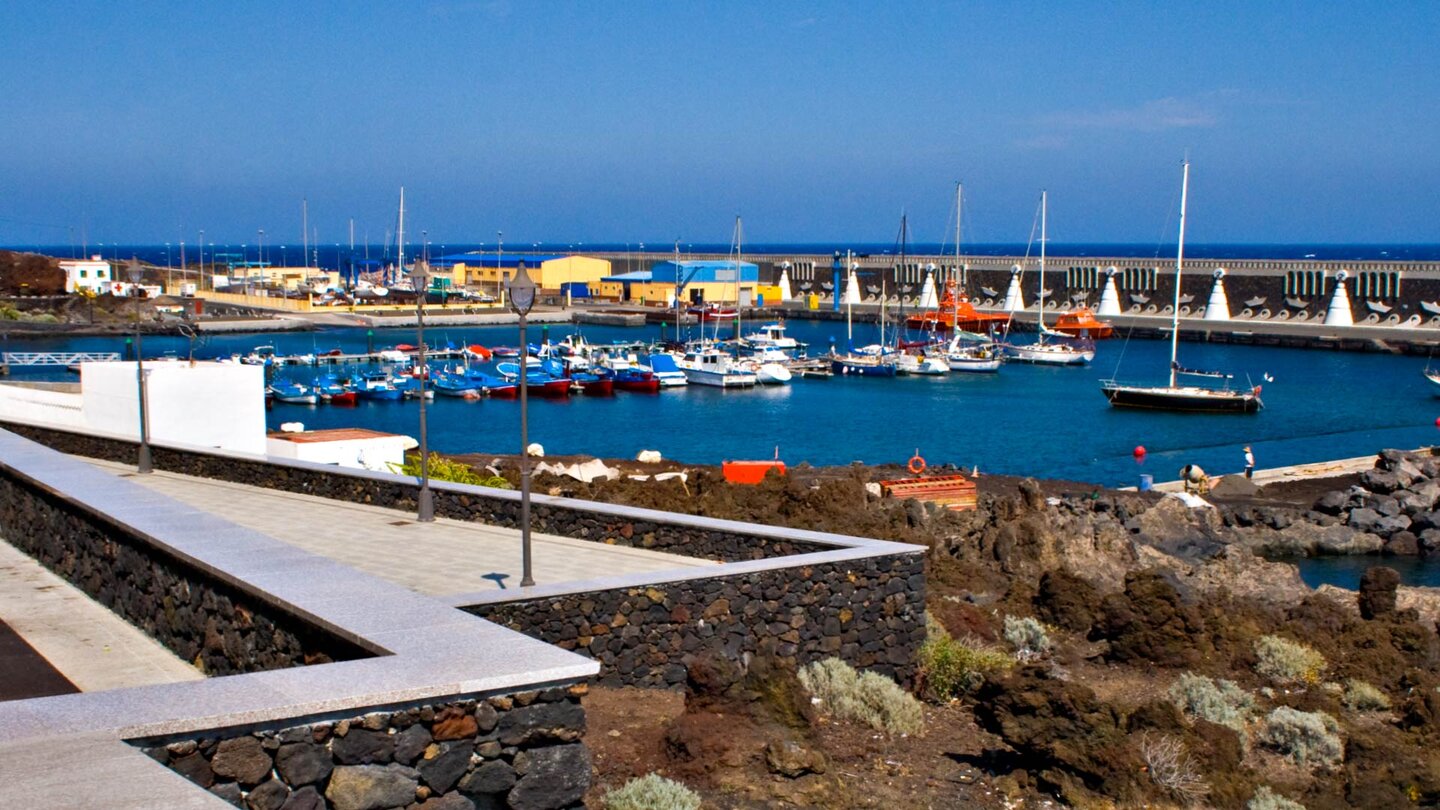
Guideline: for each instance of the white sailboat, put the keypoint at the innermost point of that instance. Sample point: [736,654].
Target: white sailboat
[1043,352]
[1173,396]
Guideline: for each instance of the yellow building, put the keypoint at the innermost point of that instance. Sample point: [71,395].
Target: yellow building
[288,278]
[490,272]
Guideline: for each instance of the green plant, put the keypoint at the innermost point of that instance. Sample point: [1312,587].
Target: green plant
[445,469]
[1285,662]
[864,697]
[1363,697]
[652,792]
[1305,737]
[1219,701]
[1029,637]
[1172,769]
[951,668]
[1267,799]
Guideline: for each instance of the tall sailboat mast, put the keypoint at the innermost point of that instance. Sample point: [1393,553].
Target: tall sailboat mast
[1179,266]
[400,237]
[955,296]
[305,229]
[1040,313]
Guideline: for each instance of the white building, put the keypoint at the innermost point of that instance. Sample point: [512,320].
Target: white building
[357,448]
[81,274]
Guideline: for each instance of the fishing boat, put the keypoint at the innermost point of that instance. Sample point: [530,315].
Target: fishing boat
[955,310]
[580,376]
[1081,322]
[376,385]
[454,384]
[713,312]
[333,391]
[1173,396]
[667,371]
[294,393]
[1042,351]
[492,386]
[710,366]
[537,382]
[626,374]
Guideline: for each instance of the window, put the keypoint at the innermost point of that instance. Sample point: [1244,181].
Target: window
[82,274]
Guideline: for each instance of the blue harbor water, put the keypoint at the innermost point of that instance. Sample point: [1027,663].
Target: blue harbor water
[1049,422]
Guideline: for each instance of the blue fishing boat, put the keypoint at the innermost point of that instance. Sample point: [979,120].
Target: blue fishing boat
[293,393]
[333,391]
[537,381]
[453,384]
[377,385]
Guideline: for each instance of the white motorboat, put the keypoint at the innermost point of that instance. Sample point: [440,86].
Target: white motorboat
[710,366]
[1051,354]
[771,336]
[667,370]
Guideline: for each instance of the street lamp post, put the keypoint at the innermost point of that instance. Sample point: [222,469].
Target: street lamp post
[522,299]
[425,501]
[143,463]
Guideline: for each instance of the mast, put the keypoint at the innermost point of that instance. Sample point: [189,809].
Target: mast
[954,291]
[739,235]
[679,288]
[849,306]
[1040,314]
[1179,265]
[400,236]
[305,229]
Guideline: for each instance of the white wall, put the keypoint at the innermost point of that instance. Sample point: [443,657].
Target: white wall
[205,404]
[362,454]
[41,406]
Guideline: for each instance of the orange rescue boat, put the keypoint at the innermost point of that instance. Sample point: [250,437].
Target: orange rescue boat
[956,311]
[1081,321]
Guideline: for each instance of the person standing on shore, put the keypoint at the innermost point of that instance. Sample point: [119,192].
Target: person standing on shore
[1249,462]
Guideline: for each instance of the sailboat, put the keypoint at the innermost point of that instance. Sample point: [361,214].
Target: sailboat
[1043,352]
[871,361]
[955,310]
[1175,397]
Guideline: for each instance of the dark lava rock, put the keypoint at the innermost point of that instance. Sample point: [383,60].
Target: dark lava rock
[269,796]
[306,798]
[1387,526]
[1377,591]
[194,767]
[370,787]
[361,746]
[1402,544]
[442,772]
[1382,481]
[1363,519]
[554,777]
[411,743]
[1148,622]
[1386,506]
[450,801]
[793,760]
[1429,539]
[1067,601]
[1332,503]
[542,722]
[491,777]
[303,763]
[242,759]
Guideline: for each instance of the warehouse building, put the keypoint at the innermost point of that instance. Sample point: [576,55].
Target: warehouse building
[715,281]
[489,272]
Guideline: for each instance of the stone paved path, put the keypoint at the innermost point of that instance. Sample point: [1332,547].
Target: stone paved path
[443,558]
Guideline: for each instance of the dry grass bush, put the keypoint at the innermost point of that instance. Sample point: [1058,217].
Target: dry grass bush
[1172,769]
[652,792]
[1306,738]
[1218,701]
[864,697]
[1288,662]
[952,668]
[1029,638]
[1267,799]
[1363,697]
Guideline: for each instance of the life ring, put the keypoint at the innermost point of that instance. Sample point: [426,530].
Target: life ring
[916,465]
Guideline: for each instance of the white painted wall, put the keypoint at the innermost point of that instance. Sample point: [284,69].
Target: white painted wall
[376,454]
[93,274]
[41,406]
[205,404]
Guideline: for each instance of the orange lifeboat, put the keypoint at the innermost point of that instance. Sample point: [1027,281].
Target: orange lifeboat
[1080,321]
[956,311]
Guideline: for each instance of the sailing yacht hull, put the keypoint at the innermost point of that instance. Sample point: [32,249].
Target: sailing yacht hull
[1051,354]
[1191,400]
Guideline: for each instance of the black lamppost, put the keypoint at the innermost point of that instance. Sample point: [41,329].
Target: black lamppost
[143,464]
[420,279]
[522,299]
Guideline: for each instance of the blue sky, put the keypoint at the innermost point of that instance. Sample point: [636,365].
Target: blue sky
[636,121]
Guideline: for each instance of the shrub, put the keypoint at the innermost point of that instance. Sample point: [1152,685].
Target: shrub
[1267,799]
[1362,697]
[1172,769]
[951,668]
[444,469]
[1219,701]
[652,792]
[934,630]
[1027,636]
[865,697]
[1305,737]
[1285,661]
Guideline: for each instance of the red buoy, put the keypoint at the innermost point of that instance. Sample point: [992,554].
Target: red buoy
[1437,421]
[1140,448]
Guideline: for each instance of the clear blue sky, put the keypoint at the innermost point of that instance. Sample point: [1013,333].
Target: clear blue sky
[631,121]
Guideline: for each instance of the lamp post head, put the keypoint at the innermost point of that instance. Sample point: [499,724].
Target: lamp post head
[420,276]
[134,271]
[521,290]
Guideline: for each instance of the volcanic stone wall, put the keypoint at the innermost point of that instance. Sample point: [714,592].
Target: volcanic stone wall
[202,619]
[521,751]
[574,521]
[869,612]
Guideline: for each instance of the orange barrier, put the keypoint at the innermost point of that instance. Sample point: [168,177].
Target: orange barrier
[750,472]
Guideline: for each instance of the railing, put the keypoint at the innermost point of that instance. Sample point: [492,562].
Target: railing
[56,358]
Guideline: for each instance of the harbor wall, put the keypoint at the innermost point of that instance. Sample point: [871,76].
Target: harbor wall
[517,750]
[796,594]
[868,612]
[217,624]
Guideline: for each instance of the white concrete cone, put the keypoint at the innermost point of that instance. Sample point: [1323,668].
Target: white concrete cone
[852,290]
[784,285]
[928,299]
[1014,298]
[1218,308]
[1110,297]
[1339,312]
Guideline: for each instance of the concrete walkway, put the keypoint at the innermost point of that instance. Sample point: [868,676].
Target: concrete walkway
[443,558]
[1274,475]
[92,647]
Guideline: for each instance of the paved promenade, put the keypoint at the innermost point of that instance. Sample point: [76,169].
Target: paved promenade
[443,558]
